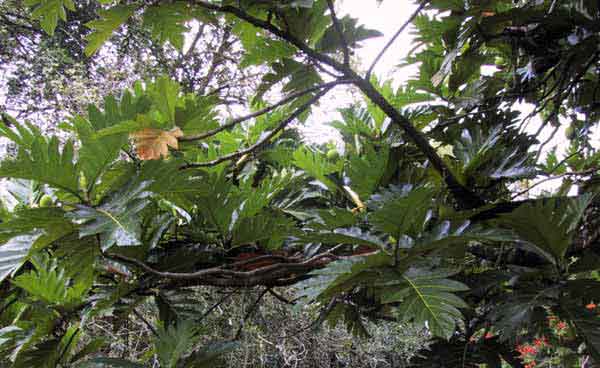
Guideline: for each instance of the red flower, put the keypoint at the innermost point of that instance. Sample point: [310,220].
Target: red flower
[561,325]
[526,350]
[488,335]
[530,365]
[591,306]
[541,342]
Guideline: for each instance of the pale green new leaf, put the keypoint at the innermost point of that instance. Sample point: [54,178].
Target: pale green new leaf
[96,153]
[316,165]
[164,94]
[49,284]
[23,135]
[366,170]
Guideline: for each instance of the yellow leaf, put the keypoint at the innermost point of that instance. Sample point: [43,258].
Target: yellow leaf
[151,143]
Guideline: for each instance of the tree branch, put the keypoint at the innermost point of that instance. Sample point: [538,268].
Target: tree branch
[464,197]
[265,139]
[267,109]
[268,275]
[194,42]
[249,313]
[216,305]
[393,39]
[301,45]
[340,31]
[217,58]
[567,174]
[150,327]
[281,298]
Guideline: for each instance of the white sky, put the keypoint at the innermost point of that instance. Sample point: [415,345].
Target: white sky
[387,19]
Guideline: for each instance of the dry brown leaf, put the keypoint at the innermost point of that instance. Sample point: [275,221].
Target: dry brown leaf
[152,144]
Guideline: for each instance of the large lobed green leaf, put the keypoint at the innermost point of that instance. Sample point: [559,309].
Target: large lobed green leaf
[14,252]
[427,297]
[41,159]
[49,12]
[103,28]
[548,226]
[400,210]
[29,229]
[117,219]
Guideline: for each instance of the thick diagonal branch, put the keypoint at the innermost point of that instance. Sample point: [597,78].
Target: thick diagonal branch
[464,197]
[263,24]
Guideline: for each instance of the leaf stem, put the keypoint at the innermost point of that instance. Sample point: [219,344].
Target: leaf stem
[339,29]
[393,39]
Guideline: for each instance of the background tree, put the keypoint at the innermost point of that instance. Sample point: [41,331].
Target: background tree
[50,76]
[416,222]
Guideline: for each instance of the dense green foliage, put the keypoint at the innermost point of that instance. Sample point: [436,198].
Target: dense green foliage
[416,221]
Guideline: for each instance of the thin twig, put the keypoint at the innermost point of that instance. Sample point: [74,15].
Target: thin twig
[217,59]
[541,147]
[576,173]
[338,28]
[148,324]
[283,34]
[261,142]
[558,165]
[217,304]
[249,314]
[194,42]
[280,297]
[393,39]
[267,109]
